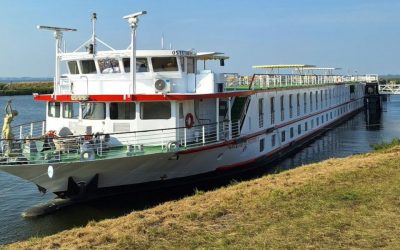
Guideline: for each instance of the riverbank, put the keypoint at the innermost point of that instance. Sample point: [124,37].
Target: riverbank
[26,88]
[347,203]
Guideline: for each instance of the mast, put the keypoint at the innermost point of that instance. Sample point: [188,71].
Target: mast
[133,20]
[94,48]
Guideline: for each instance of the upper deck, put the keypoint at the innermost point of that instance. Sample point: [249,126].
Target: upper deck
[157,72]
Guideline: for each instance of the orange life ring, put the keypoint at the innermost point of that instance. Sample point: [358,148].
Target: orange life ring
[189,120]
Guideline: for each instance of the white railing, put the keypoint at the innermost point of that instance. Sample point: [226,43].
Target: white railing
[115,145]
[29,130]
[265,81]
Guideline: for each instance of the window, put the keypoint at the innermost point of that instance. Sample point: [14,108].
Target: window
[316,100]
[322,101]
[109,65]
[122,110]
[142,65]
[261,112]
[282,108]
[273,140]
[298,104]
[262,145]
[299,129]
[305,103]
[272,100]
[327,118]
[306,126]
[181,110]
[88,67]
[312,123]
[326,97]
[290,106]
[191,69]
[318,121]
[155,110]
[164,64]
[53,109]
[311,102]
[93,110]
[291,132]
[73,67]
[71,110]
[322,119]
[283,136]
[182,61]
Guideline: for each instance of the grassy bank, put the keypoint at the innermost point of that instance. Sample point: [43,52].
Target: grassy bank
[26,88]
[339,203]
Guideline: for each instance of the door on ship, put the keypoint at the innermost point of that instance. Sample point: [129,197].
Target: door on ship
[181,115]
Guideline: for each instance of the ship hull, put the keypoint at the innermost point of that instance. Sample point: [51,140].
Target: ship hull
[157,171]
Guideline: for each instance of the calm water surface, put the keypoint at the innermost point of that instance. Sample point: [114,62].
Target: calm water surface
[16,195]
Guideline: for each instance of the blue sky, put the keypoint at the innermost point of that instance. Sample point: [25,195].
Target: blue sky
[356,35]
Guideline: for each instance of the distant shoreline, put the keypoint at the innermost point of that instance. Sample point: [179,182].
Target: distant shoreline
[25,88]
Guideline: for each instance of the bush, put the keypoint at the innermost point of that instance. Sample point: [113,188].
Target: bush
[386,145]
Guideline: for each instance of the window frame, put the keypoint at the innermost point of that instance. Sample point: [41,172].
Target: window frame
[125,119]
[63,110]
[96,119]
[141,111]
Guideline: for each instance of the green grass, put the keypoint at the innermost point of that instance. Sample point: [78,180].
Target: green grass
[26,88]
[339,203]
[386,145]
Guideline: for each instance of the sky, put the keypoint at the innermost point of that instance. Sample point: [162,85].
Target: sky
[360,36]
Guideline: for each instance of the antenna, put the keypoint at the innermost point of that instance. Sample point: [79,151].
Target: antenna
[58,35]
[93,47]
[41,27]
[162,40]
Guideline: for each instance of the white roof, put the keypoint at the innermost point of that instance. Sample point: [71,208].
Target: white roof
[143,53]
[283,66]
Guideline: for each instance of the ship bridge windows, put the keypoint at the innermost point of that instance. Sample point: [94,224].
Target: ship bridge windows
[161,64]
[93,110]
[88,67]
[122,111]
[142,65]
[53,109]
[70,110]
[191,65]
[109,66]
[155,110]
[73,67]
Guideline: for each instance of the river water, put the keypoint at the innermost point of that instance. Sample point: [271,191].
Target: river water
[351,137]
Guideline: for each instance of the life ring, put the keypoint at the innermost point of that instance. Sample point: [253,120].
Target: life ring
[189,120]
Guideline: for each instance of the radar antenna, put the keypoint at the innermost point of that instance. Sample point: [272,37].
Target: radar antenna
[58,35]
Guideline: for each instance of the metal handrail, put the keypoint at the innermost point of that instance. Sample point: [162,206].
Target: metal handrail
[116,145]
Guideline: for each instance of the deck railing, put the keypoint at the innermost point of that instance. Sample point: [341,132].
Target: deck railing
[45,149]
[266,81]
[32,129]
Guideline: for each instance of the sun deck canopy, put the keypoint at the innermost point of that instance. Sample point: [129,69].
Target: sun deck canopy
[283,66]
[211,56]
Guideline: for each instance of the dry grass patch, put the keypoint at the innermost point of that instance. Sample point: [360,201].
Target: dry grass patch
[339,203]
